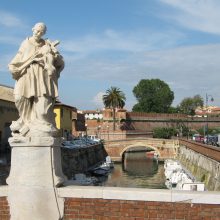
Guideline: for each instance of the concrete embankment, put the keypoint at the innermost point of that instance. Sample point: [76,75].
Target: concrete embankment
[79,160]
[203,168]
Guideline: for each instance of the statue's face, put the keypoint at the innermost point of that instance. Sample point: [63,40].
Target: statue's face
[38,32]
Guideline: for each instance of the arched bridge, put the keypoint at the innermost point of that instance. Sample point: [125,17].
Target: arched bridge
[164,148]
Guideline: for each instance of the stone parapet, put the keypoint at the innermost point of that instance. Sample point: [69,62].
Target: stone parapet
[131,203]
[34,177]
[140,194]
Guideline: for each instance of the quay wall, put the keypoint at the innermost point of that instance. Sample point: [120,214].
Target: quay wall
[75,160]
[79,160]
[113,203]
[202,167]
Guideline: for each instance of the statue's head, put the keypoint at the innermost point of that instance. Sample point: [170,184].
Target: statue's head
[39,30]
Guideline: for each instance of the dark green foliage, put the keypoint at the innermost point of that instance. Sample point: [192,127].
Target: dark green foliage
[182,129]
[164,132]
[114,98]
[188,105]
[153,95]
[173,110]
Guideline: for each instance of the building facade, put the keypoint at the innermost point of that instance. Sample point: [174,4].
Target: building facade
[207,110]
[8,113]
[65,114]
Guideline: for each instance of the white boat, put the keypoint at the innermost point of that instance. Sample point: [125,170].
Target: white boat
[177,177]
[108,164]
[104,169]
[94,138]
[171,166]
[195,186]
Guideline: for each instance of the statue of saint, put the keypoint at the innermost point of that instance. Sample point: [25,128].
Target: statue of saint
[36,69]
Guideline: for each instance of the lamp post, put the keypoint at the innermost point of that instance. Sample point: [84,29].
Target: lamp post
[206,130]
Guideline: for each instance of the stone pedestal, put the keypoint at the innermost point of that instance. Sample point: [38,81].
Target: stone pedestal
[35,174]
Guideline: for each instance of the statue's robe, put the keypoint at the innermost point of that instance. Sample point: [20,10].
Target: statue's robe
[35,90]
[33,81]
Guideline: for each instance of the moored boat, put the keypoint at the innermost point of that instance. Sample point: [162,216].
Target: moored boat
[177,177]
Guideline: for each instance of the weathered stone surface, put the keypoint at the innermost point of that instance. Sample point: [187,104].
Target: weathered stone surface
[35,172]
[203,168]
[36,68]
[80,160]
[36,163]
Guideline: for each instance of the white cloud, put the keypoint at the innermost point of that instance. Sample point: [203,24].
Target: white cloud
[188,70]
[127,41]
[10,20]
[97,100]
[108,40]
[202,15]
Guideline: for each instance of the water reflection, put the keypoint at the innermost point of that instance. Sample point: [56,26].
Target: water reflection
[137,171]
[138,164]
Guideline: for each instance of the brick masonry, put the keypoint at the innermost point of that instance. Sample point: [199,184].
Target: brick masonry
[103,209]
[4,209]
[166,148]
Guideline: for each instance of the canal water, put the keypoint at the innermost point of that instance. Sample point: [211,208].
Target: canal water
[138,171]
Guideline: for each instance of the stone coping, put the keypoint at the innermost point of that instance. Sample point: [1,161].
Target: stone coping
[135,194]
[3,191]
[140,194]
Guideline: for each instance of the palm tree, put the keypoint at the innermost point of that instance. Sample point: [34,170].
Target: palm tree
[114,98]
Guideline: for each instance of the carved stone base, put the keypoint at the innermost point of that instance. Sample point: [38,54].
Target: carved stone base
[35,173]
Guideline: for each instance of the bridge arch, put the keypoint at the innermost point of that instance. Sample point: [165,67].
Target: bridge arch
[140,144]
[165,148]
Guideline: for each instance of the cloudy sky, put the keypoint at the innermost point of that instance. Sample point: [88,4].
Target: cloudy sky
[119,42]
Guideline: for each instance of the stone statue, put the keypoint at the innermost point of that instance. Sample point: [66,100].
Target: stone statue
[36,69]
[36,169]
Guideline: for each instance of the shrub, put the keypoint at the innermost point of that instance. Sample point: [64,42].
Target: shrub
[164,132]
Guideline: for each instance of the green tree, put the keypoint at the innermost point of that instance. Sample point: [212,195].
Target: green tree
[153,95]
[164,132]
[173,110]
[188,105]
[114,98]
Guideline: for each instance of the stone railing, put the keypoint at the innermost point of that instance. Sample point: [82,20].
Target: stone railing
[130,203]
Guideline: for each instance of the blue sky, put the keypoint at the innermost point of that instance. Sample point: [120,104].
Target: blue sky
[119,42]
